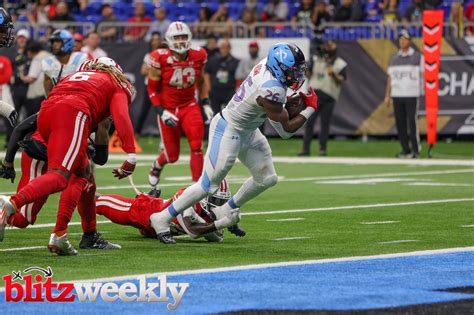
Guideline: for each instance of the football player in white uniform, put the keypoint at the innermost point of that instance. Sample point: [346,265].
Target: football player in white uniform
[234,134]
[63,62]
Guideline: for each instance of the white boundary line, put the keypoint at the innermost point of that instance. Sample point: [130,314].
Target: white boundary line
[281,264]
[285,220]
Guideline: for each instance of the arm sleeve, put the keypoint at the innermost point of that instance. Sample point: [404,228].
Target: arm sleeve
[279,129]
[121,117]
[25,127]
[154,88]
[101,154]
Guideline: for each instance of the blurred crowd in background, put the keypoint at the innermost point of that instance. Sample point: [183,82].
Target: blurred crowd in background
[151,16]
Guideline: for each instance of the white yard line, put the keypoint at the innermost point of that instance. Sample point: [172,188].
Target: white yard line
[323,160]
[281,264]
[285,220]
[437,184]
[397,242]
[21,248]
[291,238]
[377,205]
[368,206]
[48,225]
[468,226]
[240,180]
[380,222]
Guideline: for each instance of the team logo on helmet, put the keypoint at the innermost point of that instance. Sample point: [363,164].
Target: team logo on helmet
[287,64]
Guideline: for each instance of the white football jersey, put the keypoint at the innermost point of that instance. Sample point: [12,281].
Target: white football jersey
[243,113]
[52,67]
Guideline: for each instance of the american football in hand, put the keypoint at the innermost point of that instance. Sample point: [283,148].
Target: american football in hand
[294,105]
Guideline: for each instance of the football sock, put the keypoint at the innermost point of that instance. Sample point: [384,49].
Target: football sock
[40,187]
[188,198]
[249,190]
[87,207]
[68,201]
[161,160]
[196,163]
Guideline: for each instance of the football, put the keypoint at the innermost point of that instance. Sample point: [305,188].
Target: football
[294,106]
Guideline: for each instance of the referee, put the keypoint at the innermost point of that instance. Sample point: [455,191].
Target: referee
[403,91]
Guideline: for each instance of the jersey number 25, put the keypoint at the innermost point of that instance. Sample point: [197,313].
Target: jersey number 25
[183,78]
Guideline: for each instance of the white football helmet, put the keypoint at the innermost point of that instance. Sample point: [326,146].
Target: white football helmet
[217,199]
[175,30]
[102,60]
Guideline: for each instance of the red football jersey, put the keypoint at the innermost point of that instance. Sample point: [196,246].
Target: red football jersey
[97,95]
[178,78]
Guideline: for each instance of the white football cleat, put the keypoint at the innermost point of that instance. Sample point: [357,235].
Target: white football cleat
[154,175]
[160,222]
[61,245]
[7,209]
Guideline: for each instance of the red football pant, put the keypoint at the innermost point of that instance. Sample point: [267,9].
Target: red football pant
[192,124]
[65,131]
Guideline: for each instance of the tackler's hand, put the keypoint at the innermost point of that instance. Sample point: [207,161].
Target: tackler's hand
[127,167]
[311,99]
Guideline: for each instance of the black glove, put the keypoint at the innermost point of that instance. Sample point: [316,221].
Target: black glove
[7,172]
[13,118]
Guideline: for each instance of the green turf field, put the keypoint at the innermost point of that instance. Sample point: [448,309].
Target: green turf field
[369,195]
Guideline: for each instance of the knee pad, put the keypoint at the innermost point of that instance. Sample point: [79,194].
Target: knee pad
[270,180]
[61,180]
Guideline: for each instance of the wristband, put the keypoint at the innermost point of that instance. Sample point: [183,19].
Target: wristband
[307,112]
[205,101]
[159,109]
[132,158]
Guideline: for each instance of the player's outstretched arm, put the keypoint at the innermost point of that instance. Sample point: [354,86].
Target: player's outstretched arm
[121,117]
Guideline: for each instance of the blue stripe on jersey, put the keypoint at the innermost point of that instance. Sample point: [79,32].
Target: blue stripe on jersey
[205,182]
[272,83]
[216,141]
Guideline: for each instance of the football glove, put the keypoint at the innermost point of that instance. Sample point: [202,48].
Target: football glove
[206,106]
[311,99]
[7,172]
[169,119]
[9,112]
[127,167]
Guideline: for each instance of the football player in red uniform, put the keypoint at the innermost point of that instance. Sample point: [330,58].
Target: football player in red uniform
[197,221]
[72,111]
[175,73]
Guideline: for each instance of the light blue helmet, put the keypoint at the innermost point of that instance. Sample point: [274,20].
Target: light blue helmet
[287,64]
[66,38]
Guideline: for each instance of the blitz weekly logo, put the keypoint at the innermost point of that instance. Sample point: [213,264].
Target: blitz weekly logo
[23,286]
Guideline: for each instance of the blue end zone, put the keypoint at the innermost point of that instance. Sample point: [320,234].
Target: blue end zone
[365,284]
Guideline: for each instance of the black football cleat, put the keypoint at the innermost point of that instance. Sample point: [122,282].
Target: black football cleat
[96,241]
[154,192]
[166,238]
[237,230]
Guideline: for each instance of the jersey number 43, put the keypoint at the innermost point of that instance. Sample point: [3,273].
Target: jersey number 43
[183,78]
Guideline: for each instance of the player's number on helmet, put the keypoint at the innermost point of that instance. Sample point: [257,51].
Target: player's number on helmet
[81,76]
[183,78]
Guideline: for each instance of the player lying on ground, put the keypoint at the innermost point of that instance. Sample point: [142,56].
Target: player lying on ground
[67,117]
[34,164]
[175,74]
[234,133]
[196,221]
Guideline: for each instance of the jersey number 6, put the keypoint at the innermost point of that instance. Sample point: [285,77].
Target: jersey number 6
[81,76]
[183,78]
